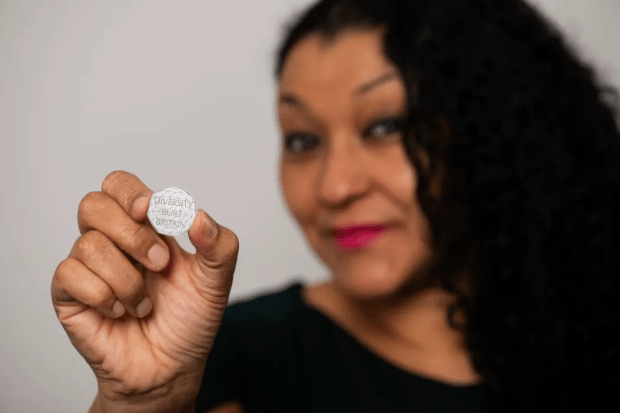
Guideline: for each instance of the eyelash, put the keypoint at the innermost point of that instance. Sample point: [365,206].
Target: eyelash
[397,126]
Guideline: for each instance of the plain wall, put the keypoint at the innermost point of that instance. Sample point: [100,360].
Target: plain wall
[179,93]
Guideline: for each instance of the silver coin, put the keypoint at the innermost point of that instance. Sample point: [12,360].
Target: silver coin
[171,211]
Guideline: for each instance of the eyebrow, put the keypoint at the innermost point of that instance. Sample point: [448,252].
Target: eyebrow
[291,99]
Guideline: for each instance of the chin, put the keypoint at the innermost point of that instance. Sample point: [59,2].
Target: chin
[369,285]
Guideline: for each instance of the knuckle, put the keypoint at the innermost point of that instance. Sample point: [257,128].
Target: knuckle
[134,289]
[233,249]
[103,298]
[134,235]
[58,279]
[89,202]
[235,241]
[91,243]
[113,179]
[62,269]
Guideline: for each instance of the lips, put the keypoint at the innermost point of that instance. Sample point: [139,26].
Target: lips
[358,237]
[348,231]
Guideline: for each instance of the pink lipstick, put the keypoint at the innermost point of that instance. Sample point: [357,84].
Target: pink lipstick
[358,237]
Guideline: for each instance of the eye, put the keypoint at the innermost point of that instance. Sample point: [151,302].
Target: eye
[298,143]
[384,127]
[295,143]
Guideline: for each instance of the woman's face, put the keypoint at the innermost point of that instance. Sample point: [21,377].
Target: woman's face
[345,164]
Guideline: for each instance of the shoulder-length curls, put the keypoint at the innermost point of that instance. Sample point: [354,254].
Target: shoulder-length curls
[530,188]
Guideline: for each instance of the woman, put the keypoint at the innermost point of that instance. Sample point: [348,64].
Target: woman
[476,149]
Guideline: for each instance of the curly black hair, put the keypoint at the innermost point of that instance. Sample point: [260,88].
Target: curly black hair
[530,187]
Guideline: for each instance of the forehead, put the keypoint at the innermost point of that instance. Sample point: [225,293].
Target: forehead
[353,57]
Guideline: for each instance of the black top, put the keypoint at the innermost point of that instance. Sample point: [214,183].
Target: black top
[275,353]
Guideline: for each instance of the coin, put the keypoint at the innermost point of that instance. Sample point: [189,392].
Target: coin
[171,211]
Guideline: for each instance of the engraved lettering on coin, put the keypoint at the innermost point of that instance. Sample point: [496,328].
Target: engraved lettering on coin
[171,211]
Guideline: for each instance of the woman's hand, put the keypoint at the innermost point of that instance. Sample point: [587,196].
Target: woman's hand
[144,350]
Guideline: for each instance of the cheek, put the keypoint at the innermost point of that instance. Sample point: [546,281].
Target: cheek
[400,176]
[297,189]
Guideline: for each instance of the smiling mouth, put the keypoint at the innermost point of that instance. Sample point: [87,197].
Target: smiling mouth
[359,237]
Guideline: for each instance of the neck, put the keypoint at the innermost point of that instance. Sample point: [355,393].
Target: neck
[416,320]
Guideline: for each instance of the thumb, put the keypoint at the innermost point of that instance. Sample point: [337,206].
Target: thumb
[217,248]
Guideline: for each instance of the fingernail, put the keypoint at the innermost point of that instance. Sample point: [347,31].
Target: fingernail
[118,309]
[158,256]
[136,205]
[144,307]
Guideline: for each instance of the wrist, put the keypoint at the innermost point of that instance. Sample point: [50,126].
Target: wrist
[103,405]
[180,397]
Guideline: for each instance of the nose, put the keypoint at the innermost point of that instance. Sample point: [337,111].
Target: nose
[345,176]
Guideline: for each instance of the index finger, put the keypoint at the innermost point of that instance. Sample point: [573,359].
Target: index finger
[129,192]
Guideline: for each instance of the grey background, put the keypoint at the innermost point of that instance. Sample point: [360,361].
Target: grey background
[178,93]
